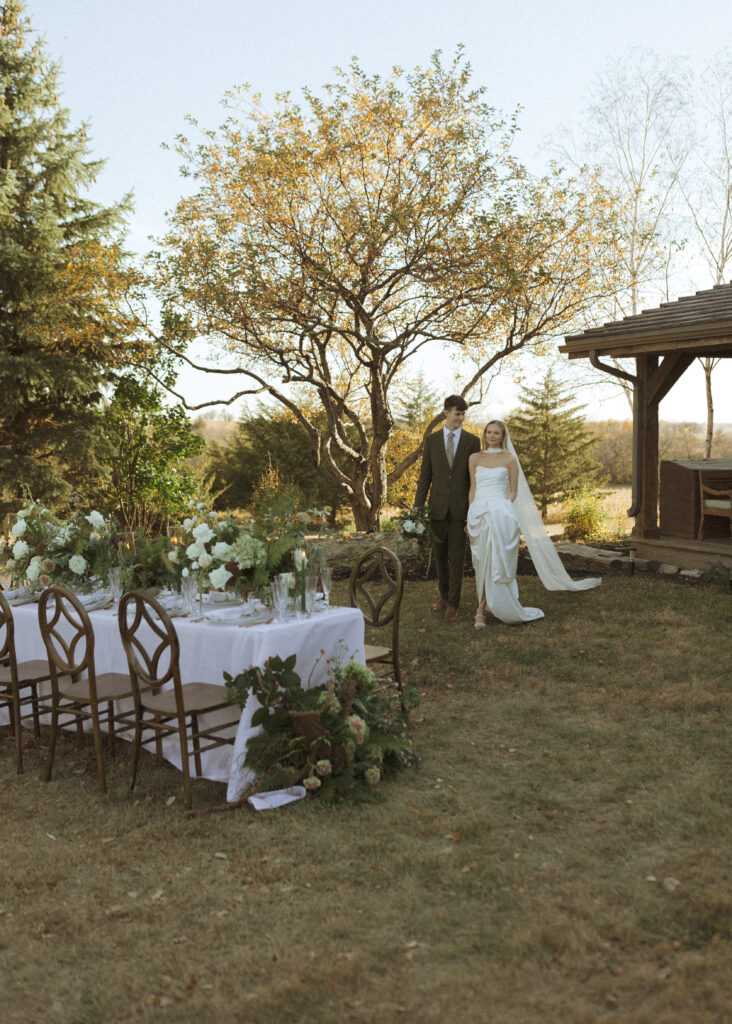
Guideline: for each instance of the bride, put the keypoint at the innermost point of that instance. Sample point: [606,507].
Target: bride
[501,509]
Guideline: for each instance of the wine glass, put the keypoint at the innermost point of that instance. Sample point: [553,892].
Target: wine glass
[280,596]
[311,591]
[326,582]
[115,582]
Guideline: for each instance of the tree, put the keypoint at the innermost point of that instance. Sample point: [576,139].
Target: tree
[147,445]
[708,193]
[268,439]
[325,249]
[61,264]
[553,443]
[636,131]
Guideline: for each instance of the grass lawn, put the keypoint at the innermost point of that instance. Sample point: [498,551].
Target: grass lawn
[562,854]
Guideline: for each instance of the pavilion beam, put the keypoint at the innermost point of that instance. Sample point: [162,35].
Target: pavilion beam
[666,375]
[646,423]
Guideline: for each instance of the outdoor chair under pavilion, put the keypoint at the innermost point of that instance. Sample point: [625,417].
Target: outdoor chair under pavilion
[76,689]
[376,586]
[713,502]
[176,711]
[19,682]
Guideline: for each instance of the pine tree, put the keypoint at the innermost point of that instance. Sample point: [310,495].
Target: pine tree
[59,261]
[553,442]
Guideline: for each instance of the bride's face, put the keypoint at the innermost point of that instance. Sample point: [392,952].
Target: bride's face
[493,436]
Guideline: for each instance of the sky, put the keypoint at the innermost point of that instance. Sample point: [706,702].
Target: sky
[134,69]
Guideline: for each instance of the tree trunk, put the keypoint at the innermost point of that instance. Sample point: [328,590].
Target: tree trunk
[708,365]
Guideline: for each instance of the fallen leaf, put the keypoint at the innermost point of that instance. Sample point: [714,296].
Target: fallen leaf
[671,883]
[168,802]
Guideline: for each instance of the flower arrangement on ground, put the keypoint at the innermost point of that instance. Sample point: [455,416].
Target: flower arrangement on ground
[414,523]
[339,740]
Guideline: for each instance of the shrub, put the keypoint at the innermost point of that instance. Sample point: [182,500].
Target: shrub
[583,515]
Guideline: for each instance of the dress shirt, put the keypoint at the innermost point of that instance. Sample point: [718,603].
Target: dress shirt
[456,440]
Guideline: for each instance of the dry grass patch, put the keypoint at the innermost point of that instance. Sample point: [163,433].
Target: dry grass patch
[562,854]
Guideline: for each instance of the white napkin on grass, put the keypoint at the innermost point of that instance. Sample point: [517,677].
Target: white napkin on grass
[277,798]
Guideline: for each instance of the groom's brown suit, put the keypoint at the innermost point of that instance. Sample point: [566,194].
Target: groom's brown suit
[448,501]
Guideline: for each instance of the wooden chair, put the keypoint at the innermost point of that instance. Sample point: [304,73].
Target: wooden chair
[376,586]
[19,683]
[713,503]
[69,638]
[153,655]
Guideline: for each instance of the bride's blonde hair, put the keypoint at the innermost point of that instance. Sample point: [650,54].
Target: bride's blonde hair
[494,423]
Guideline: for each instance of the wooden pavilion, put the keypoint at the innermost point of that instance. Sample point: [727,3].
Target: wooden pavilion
[664,342]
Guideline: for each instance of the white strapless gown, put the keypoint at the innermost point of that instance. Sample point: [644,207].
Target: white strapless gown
[493,531]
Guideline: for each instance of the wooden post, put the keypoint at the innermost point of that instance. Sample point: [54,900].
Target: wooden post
[646,523]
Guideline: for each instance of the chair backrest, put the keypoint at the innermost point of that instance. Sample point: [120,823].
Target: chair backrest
[150,641]
[376,587]
[67,633]
[7,634]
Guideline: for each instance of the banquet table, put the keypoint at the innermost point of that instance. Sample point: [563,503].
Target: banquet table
[223,641]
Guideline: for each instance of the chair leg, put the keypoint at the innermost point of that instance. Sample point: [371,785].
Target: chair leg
[110,723]
[52,742]
[183,741]
[17,730]
[36,717]
[196,742]
[136,751]
[98,749]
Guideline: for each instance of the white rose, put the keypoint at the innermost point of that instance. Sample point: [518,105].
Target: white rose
[173,555]
[20,549]
[419,528]
[97,521]
[220,577]
[34,568]
[188,524]
[185,572]
[19,528]
[22,514]
[408,526]
[221,550]
[205,560]
[195,550]
[78,564]
[10,564]
[203,532]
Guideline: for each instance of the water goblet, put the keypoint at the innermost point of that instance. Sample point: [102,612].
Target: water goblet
[280,596]
[189,592]
[311,591]
[326,582]
[115,583]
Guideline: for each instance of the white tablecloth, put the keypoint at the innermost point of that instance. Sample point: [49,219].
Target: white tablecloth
[207,649]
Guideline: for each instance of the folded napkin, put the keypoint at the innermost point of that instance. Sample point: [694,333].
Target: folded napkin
[21,595]
[222,613]
[276,798]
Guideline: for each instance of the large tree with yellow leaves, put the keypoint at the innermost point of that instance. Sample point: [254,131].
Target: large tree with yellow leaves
[328,246]
[61,266]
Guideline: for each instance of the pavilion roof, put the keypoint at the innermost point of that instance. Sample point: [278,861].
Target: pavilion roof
[700,323]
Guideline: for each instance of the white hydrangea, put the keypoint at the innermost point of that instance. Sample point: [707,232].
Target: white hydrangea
[173,555]
[188,524]
[248,551]
[195,550]
[97,521]
[419,528]
[220,577]
[408,526]
[222,551]
[34,568]
[19,528]
[205,560]
[78,564]
[203,532]
[185,572]
[20,550]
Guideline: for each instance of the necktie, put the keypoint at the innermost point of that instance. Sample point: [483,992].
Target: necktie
[450,448]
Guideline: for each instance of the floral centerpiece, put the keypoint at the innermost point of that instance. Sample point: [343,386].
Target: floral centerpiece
[25,553]
[223,551]
[80,552]
[338,740]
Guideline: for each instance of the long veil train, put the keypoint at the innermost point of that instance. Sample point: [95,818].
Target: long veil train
[543,553]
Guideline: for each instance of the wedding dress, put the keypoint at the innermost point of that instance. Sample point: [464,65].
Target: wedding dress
[494,531]
[495,524]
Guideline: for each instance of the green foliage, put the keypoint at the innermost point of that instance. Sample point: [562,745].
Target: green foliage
[553,442]
[59,265]
[719,575]
[337,740]
[148,444]
[146,562]
[583,515]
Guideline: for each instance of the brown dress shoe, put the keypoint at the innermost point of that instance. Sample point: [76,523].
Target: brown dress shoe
[440,606]
[451,614]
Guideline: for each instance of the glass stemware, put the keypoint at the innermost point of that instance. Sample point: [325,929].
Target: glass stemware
[326,582]
[115,583]
[280,587]
[311,591]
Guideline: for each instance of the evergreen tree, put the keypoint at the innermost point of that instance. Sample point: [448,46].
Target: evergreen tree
[60,262]
[553,442]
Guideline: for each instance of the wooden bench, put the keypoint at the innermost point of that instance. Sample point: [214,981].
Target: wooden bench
[713,502]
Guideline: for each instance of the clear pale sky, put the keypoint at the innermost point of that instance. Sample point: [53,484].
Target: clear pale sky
[135,68]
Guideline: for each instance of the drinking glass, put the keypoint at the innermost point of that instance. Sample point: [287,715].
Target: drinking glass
[280,596]
[311,591]
[115,582]
[189,592]
[326,582]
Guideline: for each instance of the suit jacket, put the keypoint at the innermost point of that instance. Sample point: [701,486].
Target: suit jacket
[448,489]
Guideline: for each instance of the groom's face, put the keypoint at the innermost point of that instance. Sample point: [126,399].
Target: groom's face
[454,418]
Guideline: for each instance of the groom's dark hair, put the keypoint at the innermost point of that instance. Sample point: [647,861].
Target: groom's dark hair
[455,402]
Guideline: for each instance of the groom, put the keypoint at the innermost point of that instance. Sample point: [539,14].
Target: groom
[445,475]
